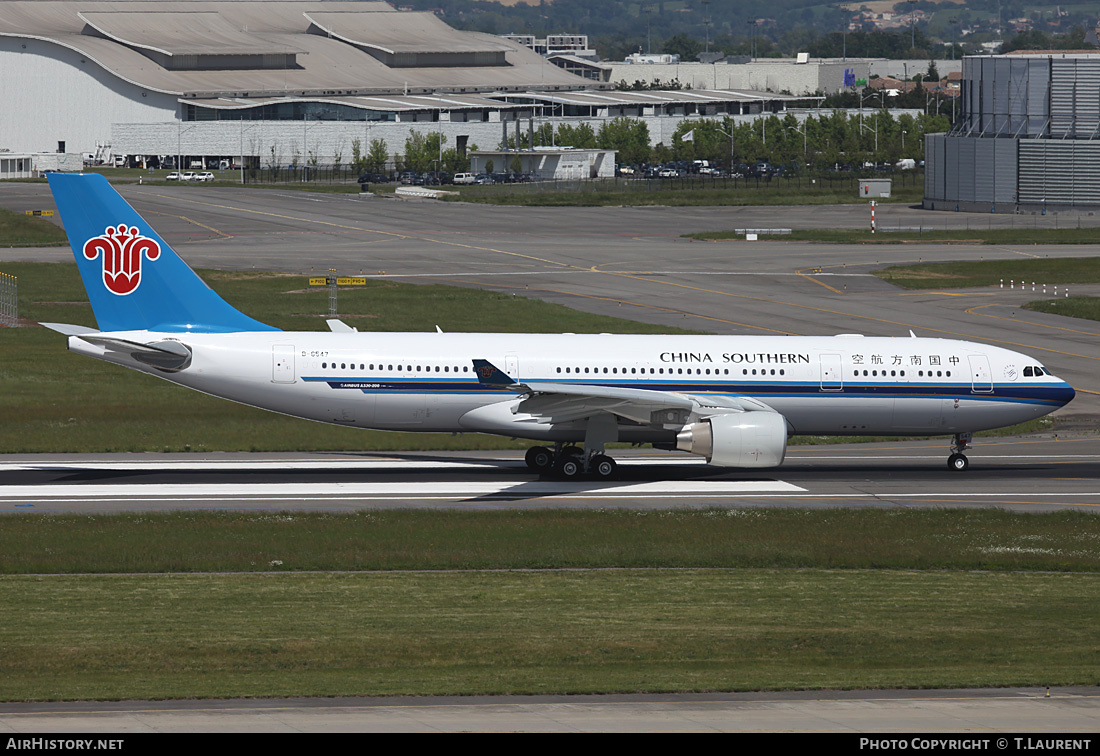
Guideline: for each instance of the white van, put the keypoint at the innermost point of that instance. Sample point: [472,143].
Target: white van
[464,178]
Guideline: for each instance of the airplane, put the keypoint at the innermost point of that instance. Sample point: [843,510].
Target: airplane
[733,400]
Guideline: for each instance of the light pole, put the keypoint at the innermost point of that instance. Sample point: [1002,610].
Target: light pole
[805,142]
[862,127]
[179,142]
[706,22]
[912,25]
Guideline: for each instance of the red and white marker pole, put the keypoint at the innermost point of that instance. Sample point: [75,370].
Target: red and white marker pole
[872,216]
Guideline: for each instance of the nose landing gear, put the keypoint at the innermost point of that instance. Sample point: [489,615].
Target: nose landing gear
[958,461]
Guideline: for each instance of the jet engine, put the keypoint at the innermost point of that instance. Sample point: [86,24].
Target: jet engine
[740,439]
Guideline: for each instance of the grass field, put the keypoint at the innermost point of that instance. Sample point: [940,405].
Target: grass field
[586,194]
[19,230]
[631,602]
[196,636]
[1047,270]
[1073,307]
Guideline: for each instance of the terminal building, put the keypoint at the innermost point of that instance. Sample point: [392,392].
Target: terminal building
[202,83]
[1028,138]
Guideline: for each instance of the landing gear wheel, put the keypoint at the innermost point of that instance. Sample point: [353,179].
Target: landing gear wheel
[568,467]
[539,458]
[603,466]
[958,462]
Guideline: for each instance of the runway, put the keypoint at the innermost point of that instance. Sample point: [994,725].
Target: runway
[1021,474]
[980,714]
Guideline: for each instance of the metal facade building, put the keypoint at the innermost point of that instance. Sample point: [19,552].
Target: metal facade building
[289,82]
[1028,138]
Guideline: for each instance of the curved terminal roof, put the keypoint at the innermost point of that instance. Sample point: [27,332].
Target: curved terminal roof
[192,33]
[249,48]
[401,32]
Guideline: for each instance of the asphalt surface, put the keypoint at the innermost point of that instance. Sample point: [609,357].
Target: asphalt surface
[1020,474]
[1073,713]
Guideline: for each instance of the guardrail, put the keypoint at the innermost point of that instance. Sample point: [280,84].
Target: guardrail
[9,300]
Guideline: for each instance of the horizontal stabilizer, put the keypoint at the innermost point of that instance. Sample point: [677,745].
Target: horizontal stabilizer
[339,326]
[68,329]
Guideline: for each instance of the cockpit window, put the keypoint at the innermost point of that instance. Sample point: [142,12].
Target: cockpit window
[1028,372]
[1039,370]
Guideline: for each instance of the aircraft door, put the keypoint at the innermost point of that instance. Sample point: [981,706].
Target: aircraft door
[831,378]
[282,363]
[981,377]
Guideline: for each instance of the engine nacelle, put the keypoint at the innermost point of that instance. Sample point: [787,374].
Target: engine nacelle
[741,439]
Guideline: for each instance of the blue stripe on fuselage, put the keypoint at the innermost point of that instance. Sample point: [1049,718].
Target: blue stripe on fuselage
[1051,394]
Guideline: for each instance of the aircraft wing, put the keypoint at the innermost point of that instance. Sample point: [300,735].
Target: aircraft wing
[564,402]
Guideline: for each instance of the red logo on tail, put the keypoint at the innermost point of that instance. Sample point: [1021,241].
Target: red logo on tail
[122,249]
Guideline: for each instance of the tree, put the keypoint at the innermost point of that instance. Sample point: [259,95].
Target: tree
[682,45]
[582,136]
[628,136]
[377,156]
[358,162]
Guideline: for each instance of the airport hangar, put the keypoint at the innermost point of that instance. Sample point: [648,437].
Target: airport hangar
[1027,140]
[265,81]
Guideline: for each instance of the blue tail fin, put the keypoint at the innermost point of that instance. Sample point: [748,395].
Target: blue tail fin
[134,280]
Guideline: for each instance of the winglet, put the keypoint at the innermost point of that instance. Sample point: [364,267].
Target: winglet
[489,374]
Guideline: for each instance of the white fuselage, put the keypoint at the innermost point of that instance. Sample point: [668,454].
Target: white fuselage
[426,381]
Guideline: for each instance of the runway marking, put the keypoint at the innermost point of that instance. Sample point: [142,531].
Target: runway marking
[598,269]
[819,283]
[195,222]
[417,489]
[392,463]
[367,230]
[950,294]
[1074,499]
[643,306]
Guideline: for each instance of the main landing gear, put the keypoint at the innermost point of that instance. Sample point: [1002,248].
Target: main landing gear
[570,462]
[958,461]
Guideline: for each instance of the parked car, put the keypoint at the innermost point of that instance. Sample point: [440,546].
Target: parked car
[207,176]
[483,178]
[187,176]
[373,178]
[173,176]
[465,178]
